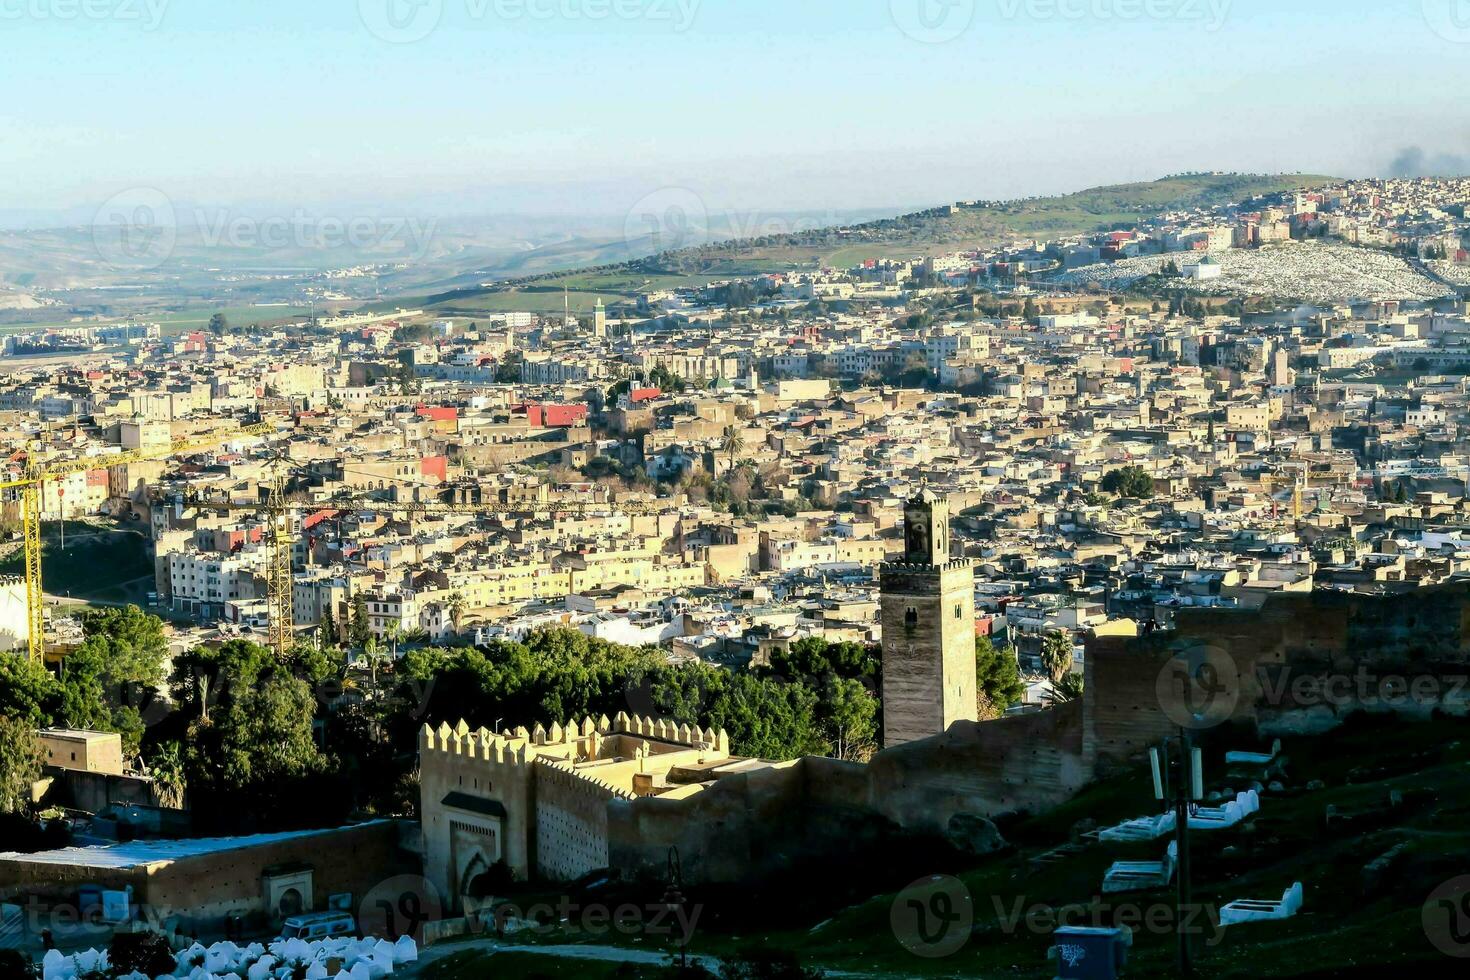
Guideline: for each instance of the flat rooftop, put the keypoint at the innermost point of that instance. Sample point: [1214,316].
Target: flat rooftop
[154,853]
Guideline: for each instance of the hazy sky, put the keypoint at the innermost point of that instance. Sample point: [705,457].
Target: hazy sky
[589,105]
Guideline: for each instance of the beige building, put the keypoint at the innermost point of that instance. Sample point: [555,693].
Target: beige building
[537,802]
[82,751]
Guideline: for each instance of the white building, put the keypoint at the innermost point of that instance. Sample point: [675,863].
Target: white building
[12,613]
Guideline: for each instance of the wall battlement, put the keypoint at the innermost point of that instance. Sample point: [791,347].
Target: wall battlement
[519,746]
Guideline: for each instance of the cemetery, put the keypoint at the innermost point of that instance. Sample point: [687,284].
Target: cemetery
[339,958]
[1273,885]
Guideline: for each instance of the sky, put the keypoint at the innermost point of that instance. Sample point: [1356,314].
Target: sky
[593,106]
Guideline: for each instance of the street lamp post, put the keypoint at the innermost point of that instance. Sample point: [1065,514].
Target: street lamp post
[1183,794]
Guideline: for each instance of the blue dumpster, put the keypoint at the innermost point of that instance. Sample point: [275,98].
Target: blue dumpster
[1089,953]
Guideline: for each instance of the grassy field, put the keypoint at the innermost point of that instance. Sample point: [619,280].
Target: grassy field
[99,563]
[197,318]
[1348,921]
[582,291]
[176,321]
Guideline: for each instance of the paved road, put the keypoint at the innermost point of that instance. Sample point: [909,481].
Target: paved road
[601,954]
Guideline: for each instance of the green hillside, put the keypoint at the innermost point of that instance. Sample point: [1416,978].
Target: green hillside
[976,225]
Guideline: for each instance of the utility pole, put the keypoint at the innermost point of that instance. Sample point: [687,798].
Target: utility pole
[1182,794]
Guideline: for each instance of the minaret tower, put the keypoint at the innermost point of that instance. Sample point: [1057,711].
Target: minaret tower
[928,612]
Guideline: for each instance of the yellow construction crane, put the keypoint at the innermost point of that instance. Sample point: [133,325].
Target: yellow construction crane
[278,509]
[30,488]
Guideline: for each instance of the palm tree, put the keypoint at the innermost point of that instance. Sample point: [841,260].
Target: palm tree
[733,443]
[456,610]
[372,650]
[1056,656]
[1069,688]
[167,767]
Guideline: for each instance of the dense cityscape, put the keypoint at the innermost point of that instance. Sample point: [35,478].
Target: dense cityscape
[1067,586]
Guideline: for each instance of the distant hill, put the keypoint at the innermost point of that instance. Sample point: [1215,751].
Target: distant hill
[978,224]
[984,224]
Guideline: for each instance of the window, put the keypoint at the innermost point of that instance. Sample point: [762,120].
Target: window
[959,611]
[911,618]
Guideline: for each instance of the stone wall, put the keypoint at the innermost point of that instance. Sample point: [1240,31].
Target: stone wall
[571,823]
[1300,664]
[758,823]
[203,889]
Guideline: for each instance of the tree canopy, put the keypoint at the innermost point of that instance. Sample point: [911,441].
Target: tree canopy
[1129,481]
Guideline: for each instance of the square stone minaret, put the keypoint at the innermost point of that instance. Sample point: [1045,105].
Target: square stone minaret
[928,610]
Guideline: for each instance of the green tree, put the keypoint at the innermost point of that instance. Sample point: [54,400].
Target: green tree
[358,631]
[665,380]
[328,629]
[812,658]
[997,678]
[20,764]
[851,718]
[114,675]
[1129,481]
[256,741]
[1056,655]
[29,693]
